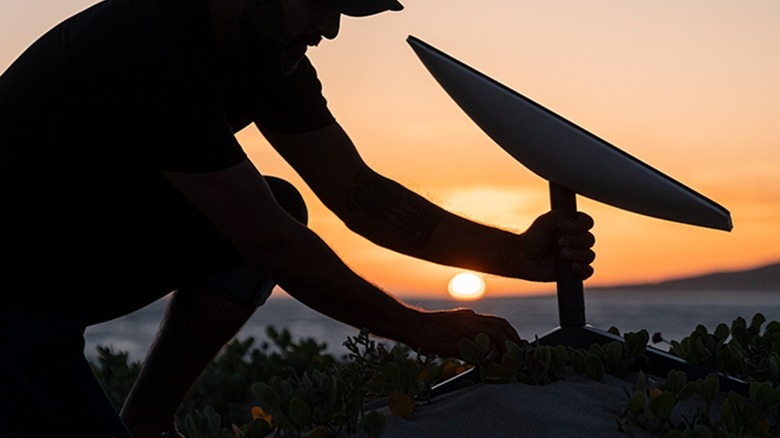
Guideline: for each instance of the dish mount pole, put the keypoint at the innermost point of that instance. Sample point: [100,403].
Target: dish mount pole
[571,297]
[574,330]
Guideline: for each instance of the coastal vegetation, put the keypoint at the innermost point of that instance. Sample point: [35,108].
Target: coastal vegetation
[294,388]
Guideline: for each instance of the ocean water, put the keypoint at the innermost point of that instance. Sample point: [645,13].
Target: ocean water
[673,313]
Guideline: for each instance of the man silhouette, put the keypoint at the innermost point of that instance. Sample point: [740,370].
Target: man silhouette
[122,181]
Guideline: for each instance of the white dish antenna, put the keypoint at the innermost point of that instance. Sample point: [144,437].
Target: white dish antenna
[564,153]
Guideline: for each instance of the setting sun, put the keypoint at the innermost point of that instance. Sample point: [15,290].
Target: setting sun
[466,286]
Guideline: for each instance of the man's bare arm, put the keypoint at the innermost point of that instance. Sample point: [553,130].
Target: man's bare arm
[392,216]
[240,204]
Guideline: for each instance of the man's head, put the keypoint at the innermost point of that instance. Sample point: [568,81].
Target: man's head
[278,32]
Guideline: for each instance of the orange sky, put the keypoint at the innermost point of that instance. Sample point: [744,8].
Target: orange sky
[690,88]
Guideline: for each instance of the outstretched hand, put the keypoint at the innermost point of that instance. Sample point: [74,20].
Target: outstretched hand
[442,331]
[552,236]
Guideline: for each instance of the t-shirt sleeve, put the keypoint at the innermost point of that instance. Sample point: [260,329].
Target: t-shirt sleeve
[183,123]
[294,103]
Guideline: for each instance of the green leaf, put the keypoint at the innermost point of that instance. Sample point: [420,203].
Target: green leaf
[722,332]
[761,394]
[710,387]
[688,390]
[596,350]
[636,404]
[561,353]
[729,414]
[391,374]
[594,367]
[374,424]
[675,381]
[577,358]
[191,427]
[483,341]
[213,420]
[512,347]
[662,405]
[613,351]
[641,381]
[758,320]
[300,413]
[469,351]
[286,391]
[324,383]
[545,354]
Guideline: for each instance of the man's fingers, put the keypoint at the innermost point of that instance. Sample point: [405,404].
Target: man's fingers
[580,260]
[583,240]
[572,231]
[548,222]
[582,270]
[498,329]
[501,328]
[583,222]
[501,331]
[585,256]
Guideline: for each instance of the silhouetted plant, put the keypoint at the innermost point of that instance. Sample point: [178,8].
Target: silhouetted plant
[741,350]
[293,388]
[115,374]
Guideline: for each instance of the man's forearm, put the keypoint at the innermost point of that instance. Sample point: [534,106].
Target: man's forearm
[390,215]
[312,273]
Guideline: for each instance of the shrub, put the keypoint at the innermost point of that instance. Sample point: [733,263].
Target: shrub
[296,389]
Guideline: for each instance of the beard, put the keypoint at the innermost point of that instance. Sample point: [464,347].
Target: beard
[268,47]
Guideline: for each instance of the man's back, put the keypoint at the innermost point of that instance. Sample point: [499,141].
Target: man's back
[139,82]
[96,109]
[65,100]
[82,113]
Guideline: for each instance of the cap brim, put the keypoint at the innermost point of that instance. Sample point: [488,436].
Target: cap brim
[364,8]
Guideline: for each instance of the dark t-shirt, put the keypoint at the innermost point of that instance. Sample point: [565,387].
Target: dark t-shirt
[137,83]
[97,107]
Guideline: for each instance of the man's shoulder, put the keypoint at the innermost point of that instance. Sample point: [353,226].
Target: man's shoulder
[113,26]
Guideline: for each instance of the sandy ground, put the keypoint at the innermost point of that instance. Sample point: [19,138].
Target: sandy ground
[576,407]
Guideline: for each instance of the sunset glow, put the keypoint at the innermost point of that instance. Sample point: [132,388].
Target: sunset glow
[689,88]
[466,286]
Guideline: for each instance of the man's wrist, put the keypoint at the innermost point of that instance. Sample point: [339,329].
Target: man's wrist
[518,256]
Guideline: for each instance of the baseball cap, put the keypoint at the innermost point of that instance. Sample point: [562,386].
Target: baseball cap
[362,8]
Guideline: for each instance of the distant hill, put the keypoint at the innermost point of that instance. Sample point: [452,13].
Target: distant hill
[760,278]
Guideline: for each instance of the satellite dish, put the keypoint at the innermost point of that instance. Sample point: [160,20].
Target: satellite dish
[575,161]
[564,153]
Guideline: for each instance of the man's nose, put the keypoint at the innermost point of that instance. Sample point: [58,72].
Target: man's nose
[329,23]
